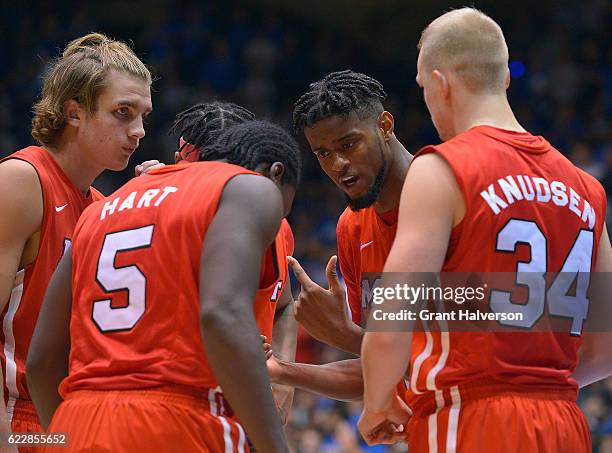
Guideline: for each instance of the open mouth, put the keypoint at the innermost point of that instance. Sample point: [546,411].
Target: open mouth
[349,181]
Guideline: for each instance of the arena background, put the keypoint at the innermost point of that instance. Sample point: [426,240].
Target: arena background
[262,54]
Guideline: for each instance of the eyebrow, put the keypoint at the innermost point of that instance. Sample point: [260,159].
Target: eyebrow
[347,135]
[134,105]
[344,137]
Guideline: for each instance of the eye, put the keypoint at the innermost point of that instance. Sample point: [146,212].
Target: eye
[348,145]
[122,111]
[322,154]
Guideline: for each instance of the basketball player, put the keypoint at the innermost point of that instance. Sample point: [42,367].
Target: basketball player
[89,118]
[139,376]
[351,134]
[528,209]
[199,127]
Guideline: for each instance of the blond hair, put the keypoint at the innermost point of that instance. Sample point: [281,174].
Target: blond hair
[469,43]
[79,74]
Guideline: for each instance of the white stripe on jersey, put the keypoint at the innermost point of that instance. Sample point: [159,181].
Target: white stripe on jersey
[227,435]
[453,420]
[433,373]
[10,409]
[10,372]
[241,438]
[414,373]
[432,423]
[212,402]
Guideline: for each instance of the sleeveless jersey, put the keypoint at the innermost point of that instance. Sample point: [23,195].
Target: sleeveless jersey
[364,241]
[528,208]
[63,203]
[273,279]
[136,266]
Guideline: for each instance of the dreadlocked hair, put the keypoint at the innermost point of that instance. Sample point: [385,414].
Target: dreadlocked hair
[338,93]
[257,142]
[201,124]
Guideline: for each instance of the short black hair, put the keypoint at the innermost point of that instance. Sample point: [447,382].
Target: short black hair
[338,93]
[256,142]
[201,124]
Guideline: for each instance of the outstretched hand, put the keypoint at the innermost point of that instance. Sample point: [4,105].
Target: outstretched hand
[323,312]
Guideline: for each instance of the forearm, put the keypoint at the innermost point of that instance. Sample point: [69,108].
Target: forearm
[338,380]
[284,344]
[284,334]
[350,339]
[242,374]
[385,357]
[595,361]
[43,383]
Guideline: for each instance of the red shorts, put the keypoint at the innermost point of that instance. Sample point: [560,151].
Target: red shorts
[500,422]
[164,421]
[24,419]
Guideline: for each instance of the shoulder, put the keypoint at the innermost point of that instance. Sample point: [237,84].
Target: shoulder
[19,180]
[253,193]
[461,143]
[593,185]
[21,198]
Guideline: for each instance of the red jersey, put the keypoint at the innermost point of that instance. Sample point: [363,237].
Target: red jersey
[274,274]
[136,266]
[528,209]
[364,241]
[63,203]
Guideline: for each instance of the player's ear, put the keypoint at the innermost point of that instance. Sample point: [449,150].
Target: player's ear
[386,124]
[507,81]
[442,82]
[73,112]
[277,170]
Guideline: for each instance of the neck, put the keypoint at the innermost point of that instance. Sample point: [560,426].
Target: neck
[72,160]
[484,110]
[397,167]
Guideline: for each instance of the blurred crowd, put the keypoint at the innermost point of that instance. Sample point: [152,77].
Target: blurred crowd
[263,57]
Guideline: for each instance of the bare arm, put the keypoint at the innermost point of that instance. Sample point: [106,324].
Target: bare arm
[47,362]
[284,343]
[22,211]
[245,224]
[596,353]
[341,380]
[428,206]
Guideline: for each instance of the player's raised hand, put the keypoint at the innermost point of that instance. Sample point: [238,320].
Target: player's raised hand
[387,426]
[147,166]
[323,312]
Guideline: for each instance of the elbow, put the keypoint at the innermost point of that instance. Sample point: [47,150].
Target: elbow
[219,317]
[385,342]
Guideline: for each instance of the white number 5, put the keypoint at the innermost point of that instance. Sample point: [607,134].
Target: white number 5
[128,278]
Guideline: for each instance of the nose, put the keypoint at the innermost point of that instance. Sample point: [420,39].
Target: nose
[137,129]
[340,164]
